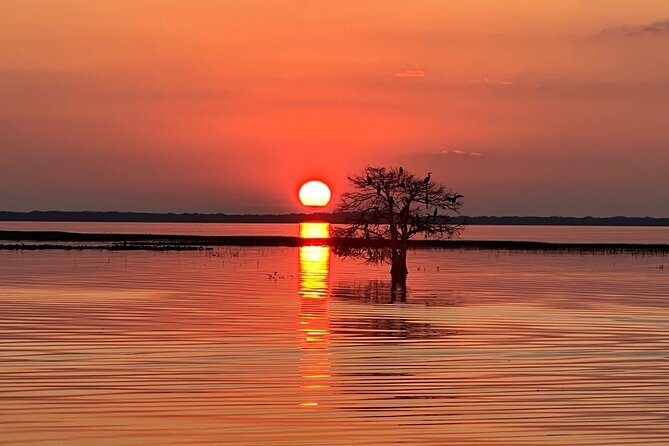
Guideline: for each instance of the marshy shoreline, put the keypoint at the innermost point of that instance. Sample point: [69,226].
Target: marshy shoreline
[42,240]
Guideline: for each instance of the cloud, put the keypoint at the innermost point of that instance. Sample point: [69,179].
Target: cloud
[660,27]
[486,81]
[459,153]
[410,74]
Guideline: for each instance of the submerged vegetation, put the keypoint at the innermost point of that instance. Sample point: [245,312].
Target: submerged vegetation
[34,240]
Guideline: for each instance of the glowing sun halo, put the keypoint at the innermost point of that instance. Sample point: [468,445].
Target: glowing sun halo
[315,193]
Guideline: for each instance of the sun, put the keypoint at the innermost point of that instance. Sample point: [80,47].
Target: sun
[315,193]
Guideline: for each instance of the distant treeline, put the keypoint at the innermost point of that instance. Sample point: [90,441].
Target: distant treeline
[569,221]
[94,216]
[128,217]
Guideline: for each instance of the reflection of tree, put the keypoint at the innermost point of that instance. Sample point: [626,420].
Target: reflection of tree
[314,324]
[389,328]
[380,292]
[371,291]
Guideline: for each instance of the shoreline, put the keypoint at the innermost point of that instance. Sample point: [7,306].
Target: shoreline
[471,220]
[42,240]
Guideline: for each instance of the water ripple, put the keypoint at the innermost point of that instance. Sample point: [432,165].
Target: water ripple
[279,346]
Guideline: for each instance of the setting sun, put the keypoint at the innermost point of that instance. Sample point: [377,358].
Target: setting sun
[315,193]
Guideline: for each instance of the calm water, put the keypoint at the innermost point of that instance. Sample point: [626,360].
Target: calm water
[291,346]
[576,234]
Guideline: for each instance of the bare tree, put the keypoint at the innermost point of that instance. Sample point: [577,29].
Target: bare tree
[385,209]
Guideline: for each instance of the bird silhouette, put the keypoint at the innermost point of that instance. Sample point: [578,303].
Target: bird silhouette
[427,178]
[434,214]
[378,190]
[369,180]
[455,197]
[401,170]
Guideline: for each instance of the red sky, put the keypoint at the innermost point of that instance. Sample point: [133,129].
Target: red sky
[526,107]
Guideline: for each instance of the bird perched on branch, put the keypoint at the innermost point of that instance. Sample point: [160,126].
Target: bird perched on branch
[454,198]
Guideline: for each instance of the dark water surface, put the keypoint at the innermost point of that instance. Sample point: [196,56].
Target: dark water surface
[290,346]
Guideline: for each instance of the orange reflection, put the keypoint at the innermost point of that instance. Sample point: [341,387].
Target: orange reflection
[314,270]
[314,324]
[314,230]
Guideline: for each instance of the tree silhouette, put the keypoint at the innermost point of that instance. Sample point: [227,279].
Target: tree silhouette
[385,209]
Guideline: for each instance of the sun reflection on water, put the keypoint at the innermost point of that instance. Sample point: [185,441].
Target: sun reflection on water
[314,230]
[314,322]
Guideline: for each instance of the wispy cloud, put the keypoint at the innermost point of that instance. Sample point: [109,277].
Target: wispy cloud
[410,74]
[660,27]
[458,152]
[486,81]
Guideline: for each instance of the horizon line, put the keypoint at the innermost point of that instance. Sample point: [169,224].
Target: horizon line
[288,214]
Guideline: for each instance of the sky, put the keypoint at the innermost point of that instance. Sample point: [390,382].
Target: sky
[554,107]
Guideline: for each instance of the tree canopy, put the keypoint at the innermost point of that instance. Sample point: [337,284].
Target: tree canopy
[386,207]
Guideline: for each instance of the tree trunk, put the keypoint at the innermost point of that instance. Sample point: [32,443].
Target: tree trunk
[398,289]
[398,273]
[398,266]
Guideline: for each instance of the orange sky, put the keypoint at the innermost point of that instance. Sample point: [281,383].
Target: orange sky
[525,107]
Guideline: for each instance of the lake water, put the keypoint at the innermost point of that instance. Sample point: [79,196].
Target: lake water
[564,234]
[292,346]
